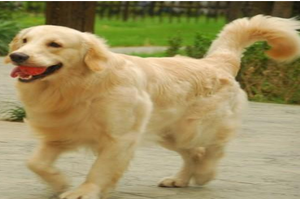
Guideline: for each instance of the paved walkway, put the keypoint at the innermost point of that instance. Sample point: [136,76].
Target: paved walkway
[261,163]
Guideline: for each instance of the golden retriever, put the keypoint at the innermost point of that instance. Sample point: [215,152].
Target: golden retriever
[87,96]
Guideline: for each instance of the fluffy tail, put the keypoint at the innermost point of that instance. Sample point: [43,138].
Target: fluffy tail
[281,34]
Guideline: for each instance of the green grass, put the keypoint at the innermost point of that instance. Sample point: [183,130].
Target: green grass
[146,32]
[26,20]
[149,31]
[155,54]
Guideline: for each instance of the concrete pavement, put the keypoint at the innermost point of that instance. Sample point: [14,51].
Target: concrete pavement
[261,163]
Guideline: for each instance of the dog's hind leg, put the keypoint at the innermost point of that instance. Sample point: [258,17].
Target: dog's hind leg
[183,177]
[181,143]
[42,164]
[201,150]
[206,167]
[199,164]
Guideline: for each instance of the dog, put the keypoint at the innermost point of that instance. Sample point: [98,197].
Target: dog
[83,95]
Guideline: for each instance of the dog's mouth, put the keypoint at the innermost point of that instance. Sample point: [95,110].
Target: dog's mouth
[29,74]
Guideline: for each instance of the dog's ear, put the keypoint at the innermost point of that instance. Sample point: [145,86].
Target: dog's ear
[16,43]
[96,53]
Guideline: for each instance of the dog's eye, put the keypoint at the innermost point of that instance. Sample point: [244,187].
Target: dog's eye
[54,45]
[24,40]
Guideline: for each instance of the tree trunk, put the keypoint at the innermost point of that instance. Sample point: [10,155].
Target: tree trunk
[283,9]
[234,10]
[79,15]
[125,13]
[256,7]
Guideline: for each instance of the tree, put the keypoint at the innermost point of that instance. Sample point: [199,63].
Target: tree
[259,7]
[283,9]
[237,9]
[234,10]
[79,15]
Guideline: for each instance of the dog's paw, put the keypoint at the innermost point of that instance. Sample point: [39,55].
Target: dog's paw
[202,179]
[55,196]
[172,182]
[60,186]
[85,191]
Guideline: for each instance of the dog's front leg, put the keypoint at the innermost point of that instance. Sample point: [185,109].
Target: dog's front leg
[107,169]
[42,164]
[125,127]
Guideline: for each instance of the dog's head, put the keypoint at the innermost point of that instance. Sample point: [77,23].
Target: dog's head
[48,52]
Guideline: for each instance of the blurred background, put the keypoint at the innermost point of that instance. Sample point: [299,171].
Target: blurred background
[126,23]
[181,27]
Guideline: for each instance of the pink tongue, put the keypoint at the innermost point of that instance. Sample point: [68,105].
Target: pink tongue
[17,72]
[26,71]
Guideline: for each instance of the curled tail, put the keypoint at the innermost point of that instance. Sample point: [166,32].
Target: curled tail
[281,34]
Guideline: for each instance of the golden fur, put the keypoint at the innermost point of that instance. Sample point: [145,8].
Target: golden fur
[108,101]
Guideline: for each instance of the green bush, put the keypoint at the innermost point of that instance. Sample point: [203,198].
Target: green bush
[174,46]
[7,26]
[266,80]
[8,30]
[8,8]
[199,48]
[34,6]
[14,113]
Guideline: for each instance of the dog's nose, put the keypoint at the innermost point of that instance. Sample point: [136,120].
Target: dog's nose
[18,57]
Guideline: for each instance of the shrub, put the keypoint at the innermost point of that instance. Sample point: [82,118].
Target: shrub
[7,27]
[174,46]
[14,113]
[8,8]
[8,31]
[199,48]
[266,80]
[34,6]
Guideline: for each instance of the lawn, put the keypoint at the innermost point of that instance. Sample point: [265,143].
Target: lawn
[146,32]
[149,31]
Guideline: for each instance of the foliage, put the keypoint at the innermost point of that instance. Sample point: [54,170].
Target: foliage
[8,8]
[34,6]
[175,45]
[10,16]
[199,49]
[8,31]
[7,26]
[263,79]
[15,113]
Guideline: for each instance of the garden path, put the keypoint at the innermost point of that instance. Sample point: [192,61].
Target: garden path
[261,163]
